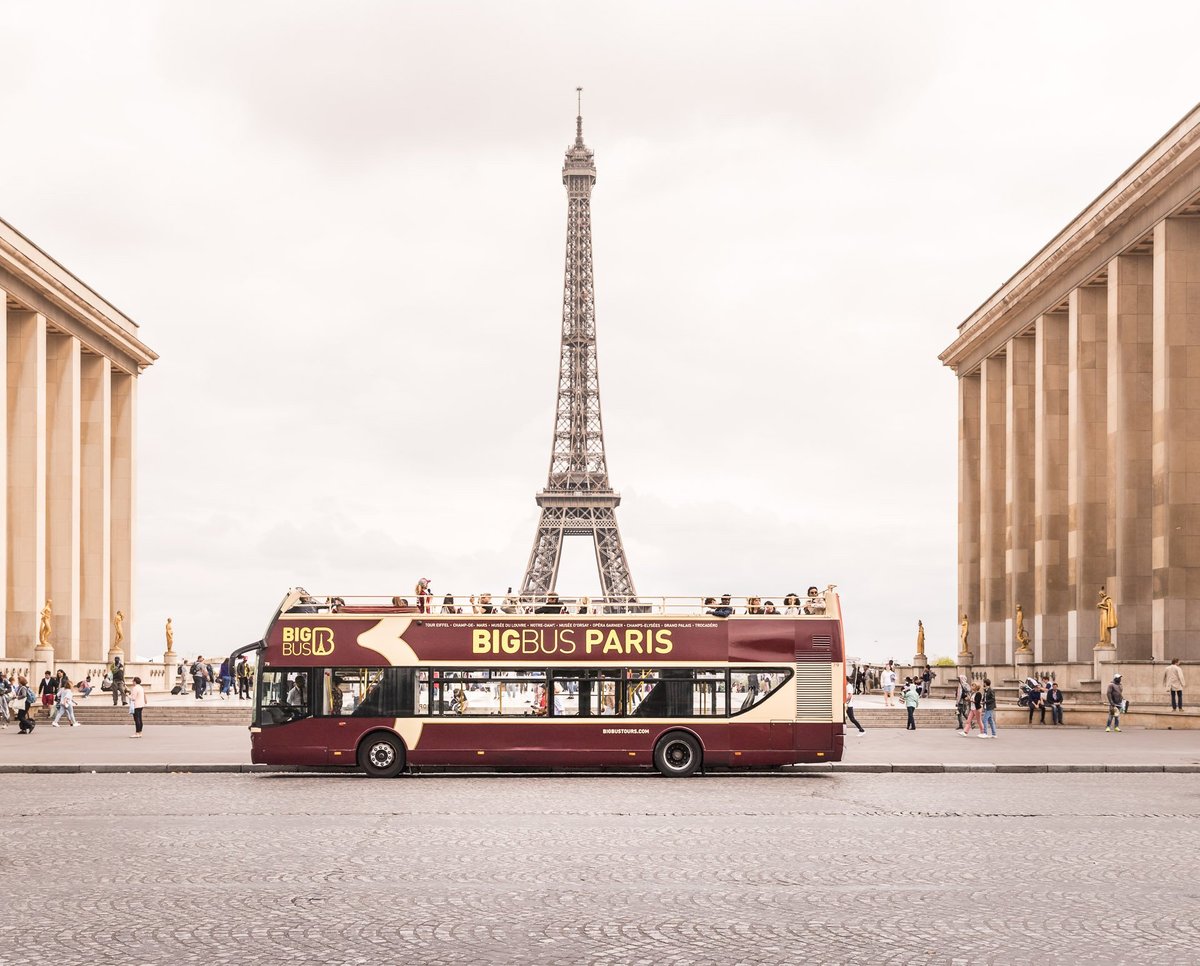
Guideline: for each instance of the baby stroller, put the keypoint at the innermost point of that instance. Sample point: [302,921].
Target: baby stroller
[1029,691]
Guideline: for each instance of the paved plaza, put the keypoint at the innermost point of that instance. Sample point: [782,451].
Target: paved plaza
[622,869]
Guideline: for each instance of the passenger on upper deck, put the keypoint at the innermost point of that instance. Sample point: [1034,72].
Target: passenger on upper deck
[423,595]
[448,606]
[769,608]
[485,605]
[791,605]
[305,605]
[552,606]
[815,603]
[585,605]
[724,610]
[754,605]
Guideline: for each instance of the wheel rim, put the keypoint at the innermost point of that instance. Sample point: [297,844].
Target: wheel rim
[678,755]
[382,754]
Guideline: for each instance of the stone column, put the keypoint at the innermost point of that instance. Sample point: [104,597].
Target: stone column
[26,481]
[1050,489]
[992,585]
[4,652]
[63,489]
[1018,482]
[124,413]
[968,511]
[1175,548]
[95,465]
[1130,476]
[1087,469]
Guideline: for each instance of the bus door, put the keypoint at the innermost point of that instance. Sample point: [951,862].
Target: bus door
[285,714]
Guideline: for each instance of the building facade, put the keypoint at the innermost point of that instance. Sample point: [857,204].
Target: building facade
[70,414]
[1079,429]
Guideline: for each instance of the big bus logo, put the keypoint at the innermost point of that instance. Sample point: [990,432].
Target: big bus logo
[307,641]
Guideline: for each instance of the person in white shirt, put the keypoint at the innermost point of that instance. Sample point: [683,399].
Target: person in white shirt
[137,703]
[888,682]
[65,699]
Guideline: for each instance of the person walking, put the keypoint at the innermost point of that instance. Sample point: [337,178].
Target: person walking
[226,679]
[116,671]
[137,704]
[1116,701]
[47,689]
[199,677]
[974,710]
[1173,679]
[243,677]
[850,710]
[6,694]
[912,698]
[962,700]
[65,705]
[24,698]
[988,720]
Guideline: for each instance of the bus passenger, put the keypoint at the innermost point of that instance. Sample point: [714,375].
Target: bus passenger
[424,597]
[769,609]
[725,609]
[448,605]
[485,605]
[585,606]
[754,605]
[791,605]
[815,603]
[552,606]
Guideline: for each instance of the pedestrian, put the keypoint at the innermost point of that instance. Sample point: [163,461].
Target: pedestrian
[1116,702]
[988,720]
[962,699]
[1173,679]
[1053,700]
[116,671]
[47,689]
[137,703]
[974,710]
[24,699]
[888,681]
[926,681]
[199,676]
[912,698]
[226,679]
[850,710]
[243,690]
[7,693]
[65,705]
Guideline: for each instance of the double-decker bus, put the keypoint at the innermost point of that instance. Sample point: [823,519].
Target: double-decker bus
[669,683]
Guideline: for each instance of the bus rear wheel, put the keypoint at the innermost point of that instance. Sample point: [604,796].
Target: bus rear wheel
[677,756]
[381,756]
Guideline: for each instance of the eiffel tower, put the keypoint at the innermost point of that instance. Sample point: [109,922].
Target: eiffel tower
[578,500]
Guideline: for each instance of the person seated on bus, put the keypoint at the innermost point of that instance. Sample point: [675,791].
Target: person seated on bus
[815,603]
[485,605]
[448,606]
[552,606]
[725,608]
[585,605]
[305,604]
[539,702]
[336,696]
[791,605]
[754,605]
[769,609]
[400,602]
[459,702]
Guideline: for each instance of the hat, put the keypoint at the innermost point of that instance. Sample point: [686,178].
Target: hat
[1116,677]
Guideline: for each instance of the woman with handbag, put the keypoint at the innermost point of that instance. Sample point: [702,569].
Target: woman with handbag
[25,698]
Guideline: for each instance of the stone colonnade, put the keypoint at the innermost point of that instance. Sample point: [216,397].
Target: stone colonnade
[69,414]
[1079,465]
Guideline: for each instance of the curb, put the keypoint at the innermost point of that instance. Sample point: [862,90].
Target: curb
[817,768]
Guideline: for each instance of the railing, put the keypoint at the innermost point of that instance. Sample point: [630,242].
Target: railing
[822,604]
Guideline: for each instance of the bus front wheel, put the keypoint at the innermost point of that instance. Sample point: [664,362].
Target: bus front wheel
[381,756]
[677,756]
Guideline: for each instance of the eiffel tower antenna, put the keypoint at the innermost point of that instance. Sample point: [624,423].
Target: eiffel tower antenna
[578,500]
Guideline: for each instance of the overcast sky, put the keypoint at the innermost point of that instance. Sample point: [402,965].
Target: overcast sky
[341,226]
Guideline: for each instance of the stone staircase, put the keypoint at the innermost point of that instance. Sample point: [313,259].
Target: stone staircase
[897,718]
[106,714]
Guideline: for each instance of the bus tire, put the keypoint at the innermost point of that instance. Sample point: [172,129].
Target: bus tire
[677,755]
[381,755]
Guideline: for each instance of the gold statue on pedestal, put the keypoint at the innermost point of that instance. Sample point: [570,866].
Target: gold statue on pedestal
[44,627]
[964,635]
[118,633]
[1108,618]
[920,638]
[170,636]
[1022,634]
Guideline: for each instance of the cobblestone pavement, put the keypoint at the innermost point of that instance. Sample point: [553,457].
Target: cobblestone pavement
[617,870]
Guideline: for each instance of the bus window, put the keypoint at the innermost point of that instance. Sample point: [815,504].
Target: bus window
[587,693]
[708,693]
[282,695]
[507,692]
[748,688]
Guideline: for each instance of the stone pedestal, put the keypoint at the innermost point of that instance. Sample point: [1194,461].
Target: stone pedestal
[920,660]
[43,661]
[965,658]
[170,664]
[1102,656]
[1023,657]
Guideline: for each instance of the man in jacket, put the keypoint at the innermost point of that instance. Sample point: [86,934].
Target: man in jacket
[912,698]
[116,671]
[1115,701]
[1173,679]
[1053,701]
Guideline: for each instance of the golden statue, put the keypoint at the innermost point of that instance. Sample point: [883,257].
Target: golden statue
[1022,634]
[1108,619]
[170,636]
[965,635]
[118,634]
[920,638]
[44,628]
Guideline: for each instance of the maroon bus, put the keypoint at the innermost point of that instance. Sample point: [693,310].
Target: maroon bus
[657,682]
